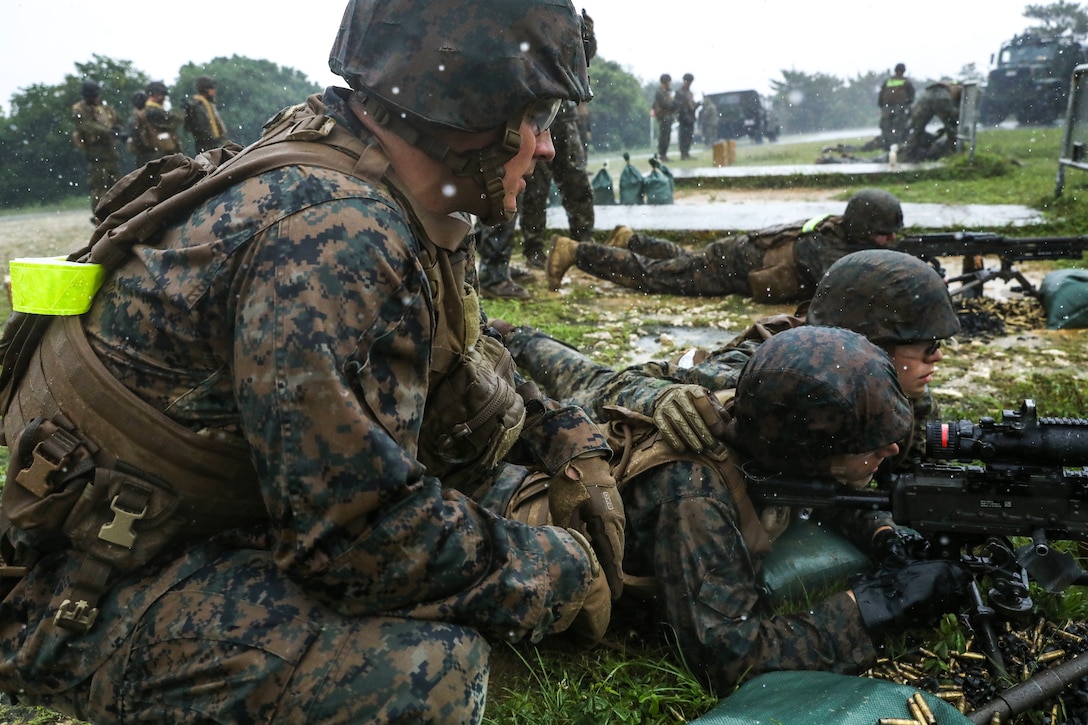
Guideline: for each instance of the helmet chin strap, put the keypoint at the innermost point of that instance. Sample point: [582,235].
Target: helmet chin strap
[486,166]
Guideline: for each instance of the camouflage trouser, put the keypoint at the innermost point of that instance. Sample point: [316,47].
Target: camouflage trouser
[494,248]
[894,124]
[568,168]
[657,266]
[664,136]
[562,371]
[240,642]
[686,133]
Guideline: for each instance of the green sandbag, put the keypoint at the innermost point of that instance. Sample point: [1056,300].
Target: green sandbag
[658,184]
[631,189]
[603,193]
[819,698]
[1065,298]
[807,558]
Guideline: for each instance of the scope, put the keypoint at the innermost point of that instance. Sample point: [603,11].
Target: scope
[1020,437]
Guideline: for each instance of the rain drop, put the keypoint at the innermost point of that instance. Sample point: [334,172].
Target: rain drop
[448,190]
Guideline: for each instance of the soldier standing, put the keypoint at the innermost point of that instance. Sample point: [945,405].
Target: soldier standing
[202,117]
[323,416]
[97,127]
[776,264]
[686,108]
[895,98]
[664,109]
[159,126]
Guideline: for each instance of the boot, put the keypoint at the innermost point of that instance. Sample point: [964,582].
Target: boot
[562,257]
[508,289]
[620,236]
[535,257]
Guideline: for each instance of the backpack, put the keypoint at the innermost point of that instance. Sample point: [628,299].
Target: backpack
[1064,293]
[603,193]
[631,189]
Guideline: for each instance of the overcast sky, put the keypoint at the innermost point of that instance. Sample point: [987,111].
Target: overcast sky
[726,44]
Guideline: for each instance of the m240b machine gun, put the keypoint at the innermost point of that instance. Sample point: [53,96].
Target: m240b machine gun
[1009,250]
[1022,476]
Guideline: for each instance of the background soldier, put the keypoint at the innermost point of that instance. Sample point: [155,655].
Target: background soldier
[97,128]
[686,108]
[137,139]
[160,127]
[664,109]
[777,264]
[939,100]
[314,555]
[895,99]
[202,117]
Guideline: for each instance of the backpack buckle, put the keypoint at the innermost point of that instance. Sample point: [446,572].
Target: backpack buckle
[119,531]
[76,616]
[49,456]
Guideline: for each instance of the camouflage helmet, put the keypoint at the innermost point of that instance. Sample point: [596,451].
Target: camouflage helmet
[204,83]
[810,393]
[157,88]
[890,297]
[466,66]
[870,212]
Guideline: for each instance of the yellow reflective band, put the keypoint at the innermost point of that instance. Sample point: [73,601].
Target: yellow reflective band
[813,223]
[53,286]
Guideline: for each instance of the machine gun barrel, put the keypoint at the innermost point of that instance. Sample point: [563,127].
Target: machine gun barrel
[1010,249]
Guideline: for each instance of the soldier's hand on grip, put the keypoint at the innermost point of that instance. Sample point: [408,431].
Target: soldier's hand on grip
[895,547]
[689,417]
[584,496]
[910,596]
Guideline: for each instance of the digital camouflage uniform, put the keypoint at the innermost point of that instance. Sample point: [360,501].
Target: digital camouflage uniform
[293,310]
[658,266]
[664,108]
[95,133]
[204,123]
[684,528]
[940,101]
[686,108]
[160,129]
[894,99]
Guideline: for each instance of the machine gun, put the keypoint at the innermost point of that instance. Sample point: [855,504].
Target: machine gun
[1024,477]
[1009,250]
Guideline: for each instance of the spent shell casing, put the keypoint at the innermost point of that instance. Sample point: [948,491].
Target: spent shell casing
[949,695]
[923,706]
[969,656]
[897,721]
[915,711]
[995,719]
[1051,655]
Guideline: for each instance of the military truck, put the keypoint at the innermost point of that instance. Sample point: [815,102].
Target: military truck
[744,113]
[1030,79]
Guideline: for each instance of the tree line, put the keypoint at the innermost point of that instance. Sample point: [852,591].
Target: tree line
[40,165]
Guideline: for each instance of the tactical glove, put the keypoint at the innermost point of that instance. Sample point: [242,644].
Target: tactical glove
[689,417]
[591,622]
[894,548]
[583,496]
[913,595]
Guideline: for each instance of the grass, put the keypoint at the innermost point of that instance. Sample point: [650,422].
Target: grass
[638,677]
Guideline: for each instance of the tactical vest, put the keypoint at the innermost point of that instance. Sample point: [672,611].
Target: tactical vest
[776,280]
[97,471]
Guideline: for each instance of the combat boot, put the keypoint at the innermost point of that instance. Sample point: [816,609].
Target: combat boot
[508,289]
[562,257]
[534,255]
[620,236]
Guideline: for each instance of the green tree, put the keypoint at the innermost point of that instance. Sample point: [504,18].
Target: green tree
[804,102]
[618,111]
[248,92]
[1058,18]
[38,162]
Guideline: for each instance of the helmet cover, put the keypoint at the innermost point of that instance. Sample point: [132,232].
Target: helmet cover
[810,393]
